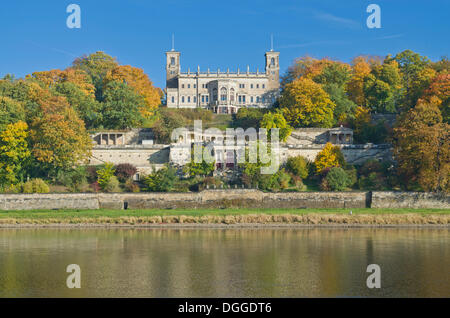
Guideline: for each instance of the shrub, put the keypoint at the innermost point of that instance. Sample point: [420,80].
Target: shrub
[13,188]
[211,182]
[248,117]
[105,174]
[352,175]
[131,186]
[298,183]
[374,181]
[73,179]
[337,179]
[161,181]
[373,175]
[298,165]
[112,185]
[95,186]
[35,186]
[283,179]
[91,174]
[324,185]
[125,171]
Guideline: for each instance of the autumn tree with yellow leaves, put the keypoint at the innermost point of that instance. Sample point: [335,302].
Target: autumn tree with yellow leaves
[14,153]
[59,138]
[330,156]
[305,104]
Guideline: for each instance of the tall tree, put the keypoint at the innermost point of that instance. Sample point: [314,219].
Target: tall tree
[304,67]
[306,104]
[86,106]
[139,81]
[14,153]
[421,148]
[355,87]
[439,91]
[415,76]
[71,75]
[96,65]
[121,106]
[59,138]
[11,111]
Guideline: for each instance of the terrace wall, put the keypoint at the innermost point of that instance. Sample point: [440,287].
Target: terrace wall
[217,199]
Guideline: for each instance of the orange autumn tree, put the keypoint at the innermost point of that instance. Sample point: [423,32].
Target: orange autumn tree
[421,148]
[76,76]
[59,138]
[439,93]
[140,82]
[305,67]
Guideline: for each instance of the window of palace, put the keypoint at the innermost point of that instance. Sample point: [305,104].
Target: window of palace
[263,85]
[189,85]
[173,99]
[195,99]
[232,95]
[223,94]
[251,99]
[189,99]
[251,85]
[182,99]
[182,85]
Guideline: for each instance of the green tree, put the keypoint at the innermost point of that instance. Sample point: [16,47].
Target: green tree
[276,120]
[162,180]
[87,108]
[11,111]
[97,65]
[14,153]
[298,165]
[414,75]
[121,105]
[337,179]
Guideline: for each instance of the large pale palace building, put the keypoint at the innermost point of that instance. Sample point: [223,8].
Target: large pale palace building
[222,92]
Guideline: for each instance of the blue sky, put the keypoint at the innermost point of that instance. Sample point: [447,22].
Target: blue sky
[215,34]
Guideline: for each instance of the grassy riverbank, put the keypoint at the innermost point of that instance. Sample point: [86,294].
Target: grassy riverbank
[229,216]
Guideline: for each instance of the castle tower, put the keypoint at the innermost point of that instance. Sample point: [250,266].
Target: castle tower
[273,69]
[173,68]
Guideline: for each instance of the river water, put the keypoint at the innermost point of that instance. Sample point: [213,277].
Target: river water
[313,262]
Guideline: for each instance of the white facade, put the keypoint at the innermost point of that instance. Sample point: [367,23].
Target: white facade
[222,92]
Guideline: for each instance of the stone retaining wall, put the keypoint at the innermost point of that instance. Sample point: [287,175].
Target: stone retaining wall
[415,200]
[239,198]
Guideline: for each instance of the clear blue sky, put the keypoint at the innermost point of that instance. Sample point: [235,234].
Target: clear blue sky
[215,34]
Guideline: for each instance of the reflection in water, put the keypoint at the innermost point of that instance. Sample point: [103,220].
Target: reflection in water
[316,262]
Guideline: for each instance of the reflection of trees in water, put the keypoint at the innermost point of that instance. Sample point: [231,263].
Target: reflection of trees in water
[231,262]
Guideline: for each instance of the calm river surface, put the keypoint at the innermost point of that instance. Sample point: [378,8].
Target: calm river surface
[317,262]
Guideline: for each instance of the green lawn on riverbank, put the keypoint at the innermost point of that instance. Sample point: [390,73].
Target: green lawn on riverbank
[67,214]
